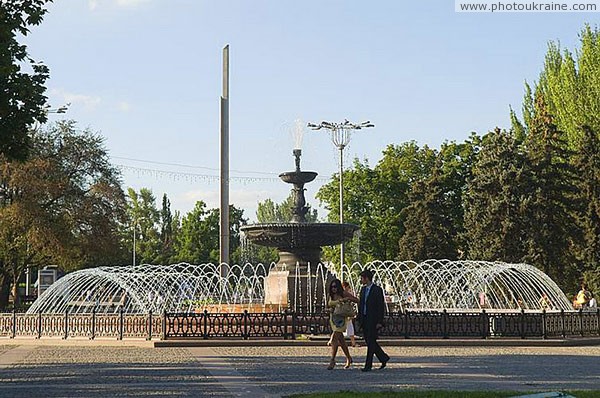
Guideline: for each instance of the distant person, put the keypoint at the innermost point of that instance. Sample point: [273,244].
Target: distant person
[338,320]
[593,303]
[583,297]
[350,326]
[545,302]
[370,316]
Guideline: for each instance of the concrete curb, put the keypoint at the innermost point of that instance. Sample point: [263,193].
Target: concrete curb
[57,341]
[384,342]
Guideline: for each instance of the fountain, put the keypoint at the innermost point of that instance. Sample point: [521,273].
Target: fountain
[183,288]
[299,245]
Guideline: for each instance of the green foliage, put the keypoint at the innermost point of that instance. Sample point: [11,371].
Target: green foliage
[63,205]
[22,97]
[570,85]
[198,238]
[269,211]
[393,197]
[551,228]
[494,225]
[587,163]
[428,228]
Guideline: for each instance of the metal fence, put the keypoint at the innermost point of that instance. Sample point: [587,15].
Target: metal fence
[289,324]
[92,325]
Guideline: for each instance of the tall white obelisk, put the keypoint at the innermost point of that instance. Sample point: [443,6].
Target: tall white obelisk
[224,189]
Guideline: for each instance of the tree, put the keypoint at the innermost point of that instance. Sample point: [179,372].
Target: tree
[429,229]
[169,226]
[457,160]
[494,225]
[550,211]
[64,205]
[143,218]
[198,240]
[22,97]
[570,86]
[375,197]
[587,163]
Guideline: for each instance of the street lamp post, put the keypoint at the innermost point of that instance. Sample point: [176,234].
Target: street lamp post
[340,134]
[136,223]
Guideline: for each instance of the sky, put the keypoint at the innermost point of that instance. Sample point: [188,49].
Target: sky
[146,74]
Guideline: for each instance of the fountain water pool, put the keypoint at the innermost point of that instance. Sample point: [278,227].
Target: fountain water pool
[433,284]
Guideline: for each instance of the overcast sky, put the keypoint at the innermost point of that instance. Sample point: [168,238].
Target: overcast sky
[147,75]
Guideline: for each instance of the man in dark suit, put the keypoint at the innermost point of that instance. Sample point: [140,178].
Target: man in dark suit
[370,316]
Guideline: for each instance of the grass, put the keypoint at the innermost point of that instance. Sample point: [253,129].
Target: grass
[435,394]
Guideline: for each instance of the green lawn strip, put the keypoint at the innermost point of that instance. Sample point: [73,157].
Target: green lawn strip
[436,394]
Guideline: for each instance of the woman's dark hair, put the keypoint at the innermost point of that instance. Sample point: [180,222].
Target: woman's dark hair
[338,285]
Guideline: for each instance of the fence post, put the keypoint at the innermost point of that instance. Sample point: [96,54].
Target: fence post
[581,331]
[406,326]
[205,325]
[164,325]
[485,324]
[14,323]
[93,336]
[246,337]
[544,329]
[120,323]
[294,323]
[39,325]
[445,324]
[149,326]
[522,323]
[66,335]
[285,324]
[562,321]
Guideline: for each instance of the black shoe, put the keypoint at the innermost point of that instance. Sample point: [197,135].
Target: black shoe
[383,364]
[365,369]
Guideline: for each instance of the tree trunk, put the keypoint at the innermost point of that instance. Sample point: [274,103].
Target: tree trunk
[15,289]
[4,291]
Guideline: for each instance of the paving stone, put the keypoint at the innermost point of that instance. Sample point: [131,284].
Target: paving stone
[108,371]
[303,369]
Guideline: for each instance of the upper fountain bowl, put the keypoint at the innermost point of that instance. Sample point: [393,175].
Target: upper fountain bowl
[289,236]
[298,177]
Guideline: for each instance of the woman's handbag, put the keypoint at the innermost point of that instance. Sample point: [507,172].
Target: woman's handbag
[345,309]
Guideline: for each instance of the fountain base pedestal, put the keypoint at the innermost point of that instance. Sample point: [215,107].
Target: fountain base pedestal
[276,288]
[296,290]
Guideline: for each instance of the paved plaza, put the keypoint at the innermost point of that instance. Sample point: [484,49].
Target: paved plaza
[118,370]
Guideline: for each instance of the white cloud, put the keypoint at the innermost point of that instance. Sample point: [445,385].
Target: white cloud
[89,102]
[93,4]
[124,106]
[130,3]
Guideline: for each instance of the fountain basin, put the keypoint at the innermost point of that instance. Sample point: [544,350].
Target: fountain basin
[293,236]
[298,177]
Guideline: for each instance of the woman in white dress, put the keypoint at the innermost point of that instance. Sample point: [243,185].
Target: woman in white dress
[350,325]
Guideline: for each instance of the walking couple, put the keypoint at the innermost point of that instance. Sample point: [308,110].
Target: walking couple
[370,318]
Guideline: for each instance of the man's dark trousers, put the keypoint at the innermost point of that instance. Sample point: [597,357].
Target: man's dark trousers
[373,347]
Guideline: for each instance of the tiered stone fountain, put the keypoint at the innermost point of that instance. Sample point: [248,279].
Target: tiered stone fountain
[299,245]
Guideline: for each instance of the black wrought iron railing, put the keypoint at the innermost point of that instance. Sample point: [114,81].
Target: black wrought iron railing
[288,325]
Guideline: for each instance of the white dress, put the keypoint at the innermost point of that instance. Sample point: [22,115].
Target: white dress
[349,328]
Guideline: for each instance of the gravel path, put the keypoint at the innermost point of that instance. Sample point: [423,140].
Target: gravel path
[100,371]
[108,371]
[4,348]
[302,369]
